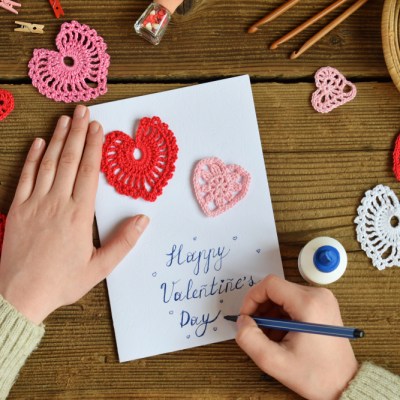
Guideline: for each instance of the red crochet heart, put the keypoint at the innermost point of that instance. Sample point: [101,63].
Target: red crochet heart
[6,103]
[145,175]
[396,159]
[2,228]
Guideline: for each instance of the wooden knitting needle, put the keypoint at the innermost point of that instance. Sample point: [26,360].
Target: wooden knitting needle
[310,42]
[271,16]
[306,24]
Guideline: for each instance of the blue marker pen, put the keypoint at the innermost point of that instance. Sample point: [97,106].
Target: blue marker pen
[305,327]
[323,260]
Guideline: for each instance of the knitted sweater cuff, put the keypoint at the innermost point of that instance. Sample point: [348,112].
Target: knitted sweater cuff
[18,338]
[371,383]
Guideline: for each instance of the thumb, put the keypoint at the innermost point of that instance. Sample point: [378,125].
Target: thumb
[119,244]
[267,354]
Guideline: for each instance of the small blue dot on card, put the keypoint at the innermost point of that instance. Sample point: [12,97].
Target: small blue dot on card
[188,337]
[234,238]
[154,274]
[171,312]
[258,251]
[215,329]
[195,238]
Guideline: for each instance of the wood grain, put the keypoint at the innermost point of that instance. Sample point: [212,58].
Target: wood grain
[318,168]
[207,40]
[390,39]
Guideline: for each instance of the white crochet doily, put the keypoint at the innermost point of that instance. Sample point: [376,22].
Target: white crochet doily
[378,227]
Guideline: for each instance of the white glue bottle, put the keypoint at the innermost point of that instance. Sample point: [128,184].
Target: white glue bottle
[323,260]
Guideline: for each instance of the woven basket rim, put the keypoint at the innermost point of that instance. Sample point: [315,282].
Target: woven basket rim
[390,38]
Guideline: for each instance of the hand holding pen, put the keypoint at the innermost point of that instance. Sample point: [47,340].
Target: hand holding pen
[289,325]
[303,362]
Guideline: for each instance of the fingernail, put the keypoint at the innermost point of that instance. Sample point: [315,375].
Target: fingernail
[141,223]
[38,143]
[80,111]
[64,121]
[240,321]
[94,127]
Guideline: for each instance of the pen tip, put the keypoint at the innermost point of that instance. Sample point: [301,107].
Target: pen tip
[273,46]
[252,29]
[294,55]
[231,318]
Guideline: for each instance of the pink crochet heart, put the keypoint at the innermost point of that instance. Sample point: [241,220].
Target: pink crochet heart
[218,187]
[77,71]
[6,103]
[143,176]
[333,90]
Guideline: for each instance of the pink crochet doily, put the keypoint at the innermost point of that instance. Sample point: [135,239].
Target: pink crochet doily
[140,167]
[2,227]
[218,187]
[6,103]
[333,90]
[77,71]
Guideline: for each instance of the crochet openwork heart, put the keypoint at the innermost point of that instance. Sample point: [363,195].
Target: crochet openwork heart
[218,187]
[396,158]
[140,167]
[6,103]
[2,228]
[77,71]
[378,227]
[333,90]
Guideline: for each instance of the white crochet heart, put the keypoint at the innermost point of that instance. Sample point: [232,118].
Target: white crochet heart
[378,227]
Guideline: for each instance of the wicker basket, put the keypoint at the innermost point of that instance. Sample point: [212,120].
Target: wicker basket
[390,38]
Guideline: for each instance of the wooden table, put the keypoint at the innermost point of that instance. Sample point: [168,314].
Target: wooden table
[319,167]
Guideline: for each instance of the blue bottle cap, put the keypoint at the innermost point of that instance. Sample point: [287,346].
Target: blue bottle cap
[326,258]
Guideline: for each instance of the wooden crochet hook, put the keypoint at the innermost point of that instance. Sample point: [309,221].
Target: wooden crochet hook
[271,16]
[306,24]
[318,36]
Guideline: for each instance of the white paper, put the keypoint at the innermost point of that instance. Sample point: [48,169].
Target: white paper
[149,290]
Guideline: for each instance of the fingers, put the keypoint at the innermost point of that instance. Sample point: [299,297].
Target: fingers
[299,302]
[48,166]
[107,257]
[283,293]
[268,355]
[71,155]
[29,171]
[88,174]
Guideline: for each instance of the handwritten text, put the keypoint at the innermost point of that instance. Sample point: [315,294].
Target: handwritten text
[201,260]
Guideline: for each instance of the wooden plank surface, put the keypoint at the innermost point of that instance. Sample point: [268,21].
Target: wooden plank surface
[208,41]
[318,167]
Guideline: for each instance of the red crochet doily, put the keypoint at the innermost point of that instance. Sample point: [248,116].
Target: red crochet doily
[396,158]
[6,103]
[2,227]
[140,167]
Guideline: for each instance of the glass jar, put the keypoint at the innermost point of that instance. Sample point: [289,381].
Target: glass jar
[153,23]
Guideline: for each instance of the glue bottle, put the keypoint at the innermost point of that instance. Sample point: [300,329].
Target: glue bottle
[323,260]
[153,23]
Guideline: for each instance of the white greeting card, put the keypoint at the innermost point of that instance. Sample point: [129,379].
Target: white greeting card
[188,270]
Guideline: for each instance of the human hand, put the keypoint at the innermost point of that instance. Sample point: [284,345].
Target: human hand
[48,258]
[314,366]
